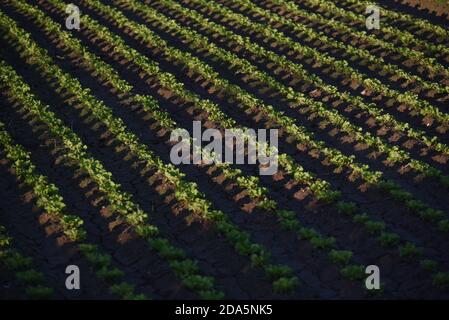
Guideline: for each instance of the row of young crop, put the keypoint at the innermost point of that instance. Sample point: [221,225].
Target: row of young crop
[252,103]
[394,154]
[419,25]
[372,226]
[382,117]
[120,202]
[287,218]
[48,198]
[429,63]
[379,114]
[398,36]
[215,113]
[185,192]
[338,252]
[148,103]
[268,34]
[26,274]
[338,256]
[338,48]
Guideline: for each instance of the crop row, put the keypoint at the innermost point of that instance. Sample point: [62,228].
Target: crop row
[398,36]
[339,48]
[186,192]
[287,219]
[283,279]
[347,208]
[357,37]
[52,203]
[14,261]
[420,25]
[252,103]
[120,202]
[268,34]
[330,115]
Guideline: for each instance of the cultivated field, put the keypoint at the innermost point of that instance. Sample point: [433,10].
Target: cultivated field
[86,177]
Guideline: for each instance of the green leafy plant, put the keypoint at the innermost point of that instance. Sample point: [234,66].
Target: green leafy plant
[136,297]
[441,279]
[346,207]
[185,267]
[322,243]
[199,283]
[409,250]
[165,249]
[122,290]
[361,218]
[146,231]
[431,215]
[39,293]
[16,261]
[340,256]
[429,265]
[375,226]
[211,295]
[308,234]
[353,272]
[30,277]
[388,239]
[443,225]
[278,271]
[285,284]
[98,260]
[109,274]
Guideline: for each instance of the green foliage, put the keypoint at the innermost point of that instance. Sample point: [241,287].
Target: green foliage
[30,277]
[322,243]
[198,283]
[146,231]
[278,271]
[136,297]
[444,180]
[189,193]
[165,249]
[259,259]
[16,261]
[431,215]
[409,250]
[123,290]
[308,234]
[443,225]
[39,293]
[441,280]
[184,267]
[400,195]
[290,225]
[110,274]
[388,239]
[340,256]
[429,265]
[348,208]
[353,272]
[285,284]
[211,295]
[98,260]
[5,241]
[375,226]
[360,218]
[72,227]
